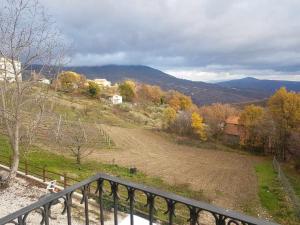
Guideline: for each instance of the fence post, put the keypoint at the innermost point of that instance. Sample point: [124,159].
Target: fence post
[44,173]
[26,167]
[65,180]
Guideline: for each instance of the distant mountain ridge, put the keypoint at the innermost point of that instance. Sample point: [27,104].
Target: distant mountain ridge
[201,92]
[235,91]
[262,86]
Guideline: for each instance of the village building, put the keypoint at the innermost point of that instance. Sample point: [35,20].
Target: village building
[102,82]
[44,81]
[7,71]
[116,99]
[233,130]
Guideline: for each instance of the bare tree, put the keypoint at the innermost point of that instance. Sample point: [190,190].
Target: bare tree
[77,138]
[28,36]
[30,125]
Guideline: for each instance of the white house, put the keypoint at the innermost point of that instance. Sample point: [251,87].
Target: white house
[102,82]
[7,71]
[116,99]
[44,81]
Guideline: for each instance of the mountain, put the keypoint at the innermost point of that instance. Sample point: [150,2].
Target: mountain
[201,92]
[265,87]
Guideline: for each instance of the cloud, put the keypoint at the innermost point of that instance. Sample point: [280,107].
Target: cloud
[215,73]
[253,35]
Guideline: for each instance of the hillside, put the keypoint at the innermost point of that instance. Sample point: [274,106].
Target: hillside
[201,92]
[264,87]
[138,142]
[234,91]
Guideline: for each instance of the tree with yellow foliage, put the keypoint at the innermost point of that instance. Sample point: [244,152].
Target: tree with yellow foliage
[284,107]
[169,117]
[198,126]
[69,80]
[179,101]
[251,119]
[174,102]
[127,90]
[185,102]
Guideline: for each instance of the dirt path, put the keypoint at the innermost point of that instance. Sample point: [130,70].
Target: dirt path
[228,178]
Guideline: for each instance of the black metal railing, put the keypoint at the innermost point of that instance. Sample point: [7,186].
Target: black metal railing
[101,182]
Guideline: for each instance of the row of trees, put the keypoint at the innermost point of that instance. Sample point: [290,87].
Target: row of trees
[207,121]
[132,91]
[277,126]
[274,128]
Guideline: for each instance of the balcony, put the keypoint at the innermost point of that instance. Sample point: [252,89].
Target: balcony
[108,193]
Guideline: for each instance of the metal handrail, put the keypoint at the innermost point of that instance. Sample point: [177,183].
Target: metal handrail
[221,216]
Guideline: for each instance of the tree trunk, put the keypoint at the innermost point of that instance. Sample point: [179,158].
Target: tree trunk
[15,158]
[78,156]
[15,165]
[78,160]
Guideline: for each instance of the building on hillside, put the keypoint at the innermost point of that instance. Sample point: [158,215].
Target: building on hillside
[7,70]
[235,133]
[233,130]
[116,99]
[102,82]
[44,81]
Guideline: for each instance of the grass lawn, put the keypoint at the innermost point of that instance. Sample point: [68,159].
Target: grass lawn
[272,195]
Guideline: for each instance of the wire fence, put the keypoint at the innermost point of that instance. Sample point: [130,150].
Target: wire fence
[287,186]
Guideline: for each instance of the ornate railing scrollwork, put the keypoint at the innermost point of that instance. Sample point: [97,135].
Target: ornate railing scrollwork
[195,210]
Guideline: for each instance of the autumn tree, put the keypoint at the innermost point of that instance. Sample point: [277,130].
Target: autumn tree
[284,107]
[68,81]
[179,101]
[215,116]
[169,117]
[294,146]
[150,93]
[251,119]
[26,35]
[127,90]
[93,89]
[182,124]
[198,126]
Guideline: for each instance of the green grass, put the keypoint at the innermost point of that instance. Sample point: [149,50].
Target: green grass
[293,176]
[272,195]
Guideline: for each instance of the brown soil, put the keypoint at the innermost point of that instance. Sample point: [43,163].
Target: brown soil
[228,178]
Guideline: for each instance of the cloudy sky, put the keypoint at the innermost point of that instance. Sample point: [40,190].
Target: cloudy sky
[205,40]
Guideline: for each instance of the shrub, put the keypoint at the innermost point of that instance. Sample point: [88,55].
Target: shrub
[93,89]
